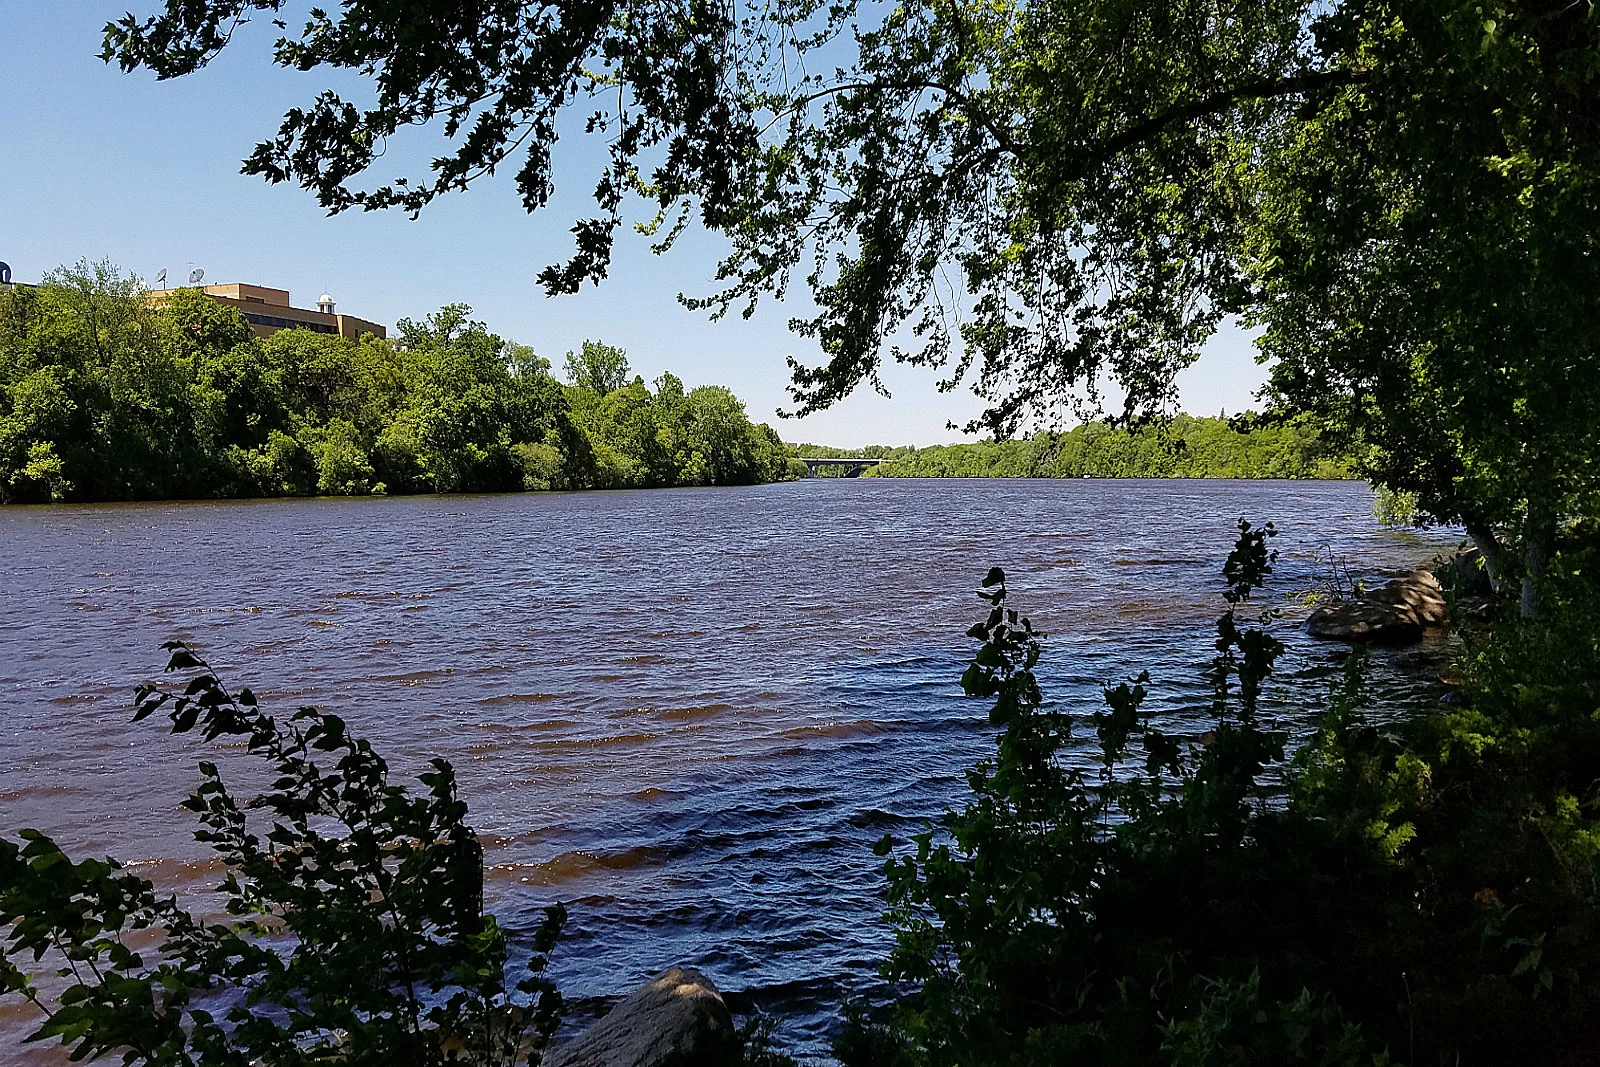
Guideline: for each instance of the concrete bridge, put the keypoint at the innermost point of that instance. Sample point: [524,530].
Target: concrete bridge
[856,466]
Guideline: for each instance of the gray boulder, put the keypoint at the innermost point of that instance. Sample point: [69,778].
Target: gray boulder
[1465,573]
[669,1014]
[1397,613]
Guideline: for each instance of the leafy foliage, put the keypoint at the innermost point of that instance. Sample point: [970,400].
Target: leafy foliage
[1049,198]
[355,929]
[1185,447]
[1060,161]
[671,437]
[1023,917]
[1423,258]
[1422,892]
[104,397]
[599,368]
[1395,507]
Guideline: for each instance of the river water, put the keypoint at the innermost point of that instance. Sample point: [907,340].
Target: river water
[686,713]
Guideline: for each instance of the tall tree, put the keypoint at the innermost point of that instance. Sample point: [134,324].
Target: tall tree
[95,394]
[598,367]
[1426,263]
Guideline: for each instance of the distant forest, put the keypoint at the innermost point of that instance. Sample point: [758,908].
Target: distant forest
[1186,447]
[106,397]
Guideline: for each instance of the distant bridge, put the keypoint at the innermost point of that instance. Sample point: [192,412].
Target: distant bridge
[856,465]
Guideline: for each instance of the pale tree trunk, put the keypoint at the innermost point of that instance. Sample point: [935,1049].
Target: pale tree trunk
[1489,547]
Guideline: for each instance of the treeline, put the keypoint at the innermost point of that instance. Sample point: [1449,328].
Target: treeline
[1186,447]
[106,397]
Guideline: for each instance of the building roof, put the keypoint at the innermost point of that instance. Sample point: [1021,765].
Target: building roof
[268,310]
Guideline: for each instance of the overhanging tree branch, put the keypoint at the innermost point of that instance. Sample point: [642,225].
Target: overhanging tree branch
[1262,89]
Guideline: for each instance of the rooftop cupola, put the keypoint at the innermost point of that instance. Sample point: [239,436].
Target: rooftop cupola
[325,304]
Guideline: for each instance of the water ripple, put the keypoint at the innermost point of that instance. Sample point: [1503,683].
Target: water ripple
[688,713]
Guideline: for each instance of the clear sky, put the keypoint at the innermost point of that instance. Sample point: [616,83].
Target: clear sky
[96,164]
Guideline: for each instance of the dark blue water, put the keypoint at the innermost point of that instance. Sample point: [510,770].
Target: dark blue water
[686,713]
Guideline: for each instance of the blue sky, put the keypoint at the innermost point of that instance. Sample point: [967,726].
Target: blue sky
[96,164]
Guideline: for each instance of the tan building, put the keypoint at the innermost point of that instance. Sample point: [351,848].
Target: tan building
[268,311]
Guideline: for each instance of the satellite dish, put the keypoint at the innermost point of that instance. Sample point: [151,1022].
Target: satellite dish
[5,274]
[196,276]
[161,278]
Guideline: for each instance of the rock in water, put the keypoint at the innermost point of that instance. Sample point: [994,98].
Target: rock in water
[670,1013]
[1394,614]
[1465,573]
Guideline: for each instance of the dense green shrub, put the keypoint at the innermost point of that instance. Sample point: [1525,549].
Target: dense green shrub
[355,930]
[1425,892]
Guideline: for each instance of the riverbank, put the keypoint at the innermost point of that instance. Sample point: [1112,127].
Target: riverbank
[1186,447]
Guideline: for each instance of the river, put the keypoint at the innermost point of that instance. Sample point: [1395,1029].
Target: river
[686,713]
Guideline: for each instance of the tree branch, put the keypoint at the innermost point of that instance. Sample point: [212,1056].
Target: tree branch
[968,104]
[1261,89]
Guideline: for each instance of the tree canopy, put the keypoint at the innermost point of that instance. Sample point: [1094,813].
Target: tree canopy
[1042,188]
[1185,447]
[598,367]
[106,397]
[1048,199]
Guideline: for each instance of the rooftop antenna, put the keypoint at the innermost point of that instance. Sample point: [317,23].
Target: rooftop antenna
[161,278]
[196,276]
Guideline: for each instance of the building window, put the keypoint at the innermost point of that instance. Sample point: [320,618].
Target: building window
[286,324]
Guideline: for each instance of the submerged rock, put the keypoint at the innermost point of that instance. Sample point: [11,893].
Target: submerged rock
[671,1013]
[1394,614]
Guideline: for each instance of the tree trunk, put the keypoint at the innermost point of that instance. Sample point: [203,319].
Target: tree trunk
[1489,547]
[1535,558]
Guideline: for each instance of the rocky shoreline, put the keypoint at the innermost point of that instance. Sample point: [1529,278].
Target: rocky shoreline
[1402,611]
[1399,612]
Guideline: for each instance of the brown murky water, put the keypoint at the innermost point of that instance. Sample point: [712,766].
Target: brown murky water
[686,713]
